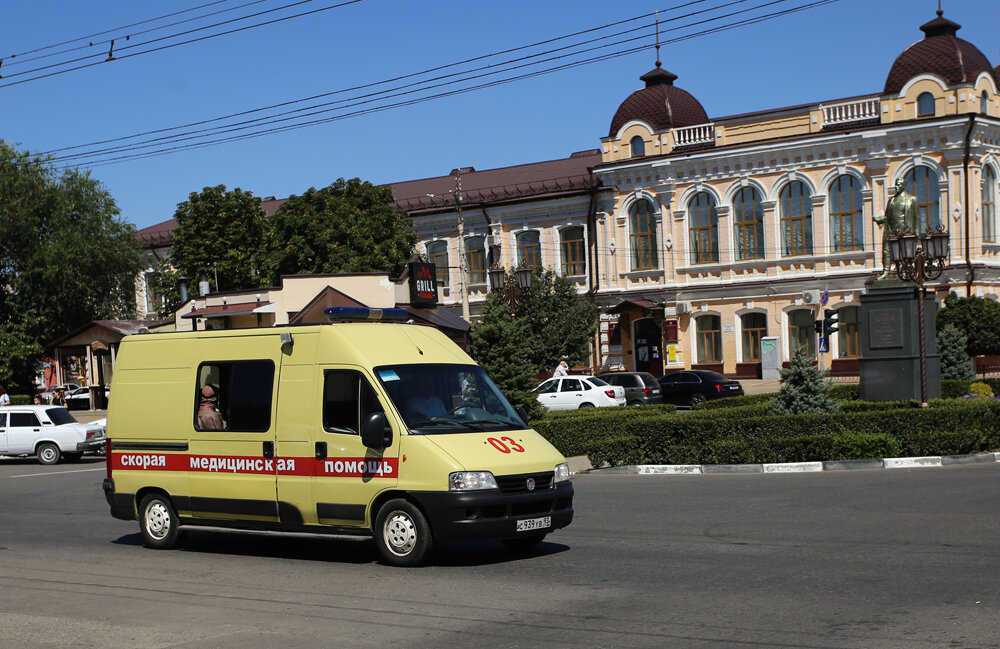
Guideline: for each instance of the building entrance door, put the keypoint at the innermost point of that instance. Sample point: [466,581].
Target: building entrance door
[648,347]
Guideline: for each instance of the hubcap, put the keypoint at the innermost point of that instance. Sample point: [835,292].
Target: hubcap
[157,520]
[400,533]
[48,453]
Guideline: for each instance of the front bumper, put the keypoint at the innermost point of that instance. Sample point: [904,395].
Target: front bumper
[493,514]
[122,505]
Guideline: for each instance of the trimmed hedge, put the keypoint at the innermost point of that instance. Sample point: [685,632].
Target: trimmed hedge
[20,399]
[571,431]
[739,436]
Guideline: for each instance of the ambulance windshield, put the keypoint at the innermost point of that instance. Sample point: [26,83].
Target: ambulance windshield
[439,398]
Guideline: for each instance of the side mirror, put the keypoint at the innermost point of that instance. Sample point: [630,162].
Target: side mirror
[376,431]
[523,414]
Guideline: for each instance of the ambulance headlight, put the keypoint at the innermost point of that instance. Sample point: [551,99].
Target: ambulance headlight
[471,481]
[561,473]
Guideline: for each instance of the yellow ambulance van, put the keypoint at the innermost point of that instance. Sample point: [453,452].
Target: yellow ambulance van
[378,428]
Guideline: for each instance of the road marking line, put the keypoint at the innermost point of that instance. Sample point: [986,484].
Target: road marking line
[32,475]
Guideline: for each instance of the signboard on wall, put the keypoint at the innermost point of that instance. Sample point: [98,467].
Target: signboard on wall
[423,285]
[670,331]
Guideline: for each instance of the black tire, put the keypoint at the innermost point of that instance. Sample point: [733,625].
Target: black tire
[159,522]
[586,405]
[403,534]
[523,543]
[697,398]
[48,453]
[72,457]
[635,403]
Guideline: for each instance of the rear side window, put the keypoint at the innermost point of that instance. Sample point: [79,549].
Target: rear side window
[24,419]
[60,416]
[348,400]
[648,380]
[571,385]
[234,396]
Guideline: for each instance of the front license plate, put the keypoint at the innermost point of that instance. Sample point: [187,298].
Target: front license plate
[529,524]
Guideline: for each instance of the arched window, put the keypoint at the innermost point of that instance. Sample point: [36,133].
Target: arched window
[437,253]
[846,214]
[801,331]
[703,229]
[984,102]
[708,328]
[642,226]
[922,182]
[638,146]
[573,261]
[796,220]
[849,328]
[529,250]
[925,105]
[475,259]
[989,205]
[754,328]
[748,224]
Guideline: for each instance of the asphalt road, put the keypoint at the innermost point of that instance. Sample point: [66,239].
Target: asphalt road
[838,560]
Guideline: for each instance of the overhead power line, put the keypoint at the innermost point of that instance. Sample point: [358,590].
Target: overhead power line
[517,69]
[114,55]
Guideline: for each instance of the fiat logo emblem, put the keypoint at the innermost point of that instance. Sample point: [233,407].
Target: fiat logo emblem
[530,484]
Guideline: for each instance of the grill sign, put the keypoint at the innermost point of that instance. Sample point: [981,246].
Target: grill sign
[423,285]
[530,484]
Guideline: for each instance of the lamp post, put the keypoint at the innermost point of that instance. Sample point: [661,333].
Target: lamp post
[512,293]
[918,258]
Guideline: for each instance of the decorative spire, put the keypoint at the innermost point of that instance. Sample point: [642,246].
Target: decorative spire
[658,61]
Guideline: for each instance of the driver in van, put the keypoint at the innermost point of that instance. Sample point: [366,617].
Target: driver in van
[208,416]
[425,404]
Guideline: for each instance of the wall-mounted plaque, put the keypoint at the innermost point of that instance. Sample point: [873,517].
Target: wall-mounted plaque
[885,328]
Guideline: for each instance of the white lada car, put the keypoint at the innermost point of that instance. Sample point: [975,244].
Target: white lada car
[48,432]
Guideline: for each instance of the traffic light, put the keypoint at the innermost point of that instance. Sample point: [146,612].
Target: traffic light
[819,327]
[829,322]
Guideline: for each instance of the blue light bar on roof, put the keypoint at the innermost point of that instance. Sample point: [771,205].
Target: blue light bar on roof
[355,313]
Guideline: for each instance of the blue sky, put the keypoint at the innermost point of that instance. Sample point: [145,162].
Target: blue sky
[838,50]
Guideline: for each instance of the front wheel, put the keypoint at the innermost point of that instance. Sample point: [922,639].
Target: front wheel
[48,453]
[158,521]
[696,398]
[403,534]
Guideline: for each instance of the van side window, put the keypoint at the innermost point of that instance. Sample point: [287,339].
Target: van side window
[239,393]
[3,419]
[348,399]
[23,419]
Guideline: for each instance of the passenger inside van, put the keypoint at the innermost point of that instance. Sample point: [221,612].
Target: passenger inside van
[208,414]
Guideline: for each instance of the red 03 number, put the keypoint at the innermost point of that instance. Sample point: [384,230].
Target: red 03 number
[505,444]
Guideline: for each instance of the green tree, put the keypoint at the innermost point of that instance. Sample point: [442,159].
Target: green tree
[559,324]
[803,388]
[66,257]
[219,234]
[955,363]
[350,226]
[977,318]
[497,345]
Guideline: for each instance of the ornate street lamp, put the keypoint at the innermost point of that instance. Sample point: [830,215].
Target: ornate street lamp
[511,293]
[918,258]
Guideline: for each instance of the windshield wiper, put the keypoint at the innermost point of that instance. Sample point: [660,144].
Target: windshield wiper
[441,422]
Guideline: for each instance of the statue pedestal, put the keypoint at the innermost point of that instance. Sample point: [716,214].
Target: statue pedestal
[890,343]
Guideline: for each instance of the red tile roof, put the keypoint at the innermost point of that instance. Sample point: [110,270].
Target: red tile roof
[660,104]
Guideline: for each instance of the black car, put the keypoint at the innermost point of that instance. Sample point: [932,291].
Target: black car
[641,388]
[691,387]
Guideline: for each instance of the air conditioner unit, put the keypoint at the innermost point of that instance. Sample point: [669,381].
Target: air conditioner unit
[810,297]
[683,307]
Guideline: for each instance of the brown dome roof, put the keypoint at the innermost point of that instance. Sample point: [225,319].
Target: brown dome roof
[941,53]
[660,104]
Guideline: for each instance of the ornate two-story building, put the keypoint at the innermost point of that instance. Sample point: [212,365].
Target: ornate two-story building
[697,236]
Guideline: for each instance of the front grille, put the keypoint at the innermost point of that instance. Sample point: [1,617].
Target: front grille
[518,484]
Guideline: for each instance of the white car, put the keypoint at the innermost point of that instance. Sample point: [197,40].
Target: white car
[48,432]
[570,392]
[79,399]
[50,392]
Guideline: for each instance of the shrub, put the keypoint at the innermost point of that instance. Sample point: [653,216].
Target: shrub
[954,388]
[20,399]
[803,388]
[980,389]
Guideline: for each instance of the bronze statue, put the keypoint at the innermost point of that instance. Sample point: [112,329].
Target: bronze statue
[901,213]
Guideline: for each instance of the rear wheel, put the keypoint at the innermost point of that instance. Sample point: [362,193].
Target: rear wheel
[586,405]
[523,542]
[48,453]
[403,534]
[697,398]
[158,521]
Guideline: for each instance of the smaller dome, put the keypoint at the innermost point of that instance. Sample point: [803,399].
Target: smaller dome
[940,52]
[660,104]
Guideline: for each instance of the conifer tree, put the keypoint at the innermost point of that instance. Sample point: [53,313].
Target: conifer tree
[955,363]
[803,388]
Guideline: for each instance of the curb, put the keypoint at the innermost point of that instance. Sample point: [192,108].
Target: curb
[801,467]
